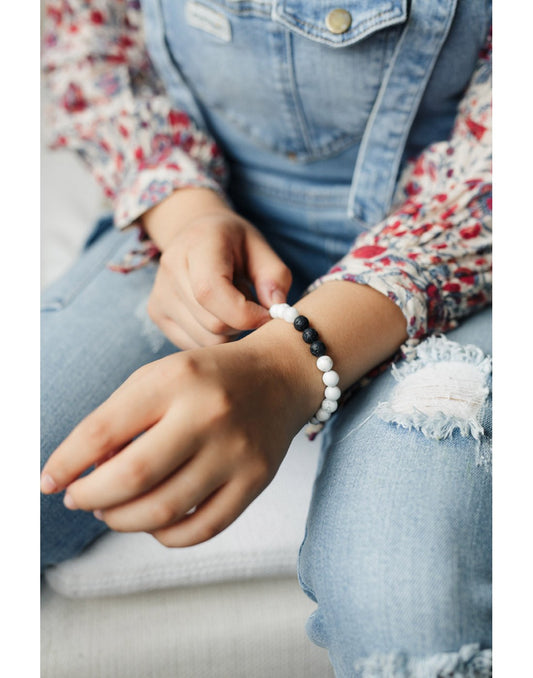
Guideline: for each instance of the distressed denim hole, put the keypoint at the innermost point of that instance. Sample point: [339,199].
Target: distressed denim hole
[443,389]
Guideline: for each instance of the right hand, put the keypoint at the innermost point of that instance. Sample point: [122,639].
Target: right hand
[210,257]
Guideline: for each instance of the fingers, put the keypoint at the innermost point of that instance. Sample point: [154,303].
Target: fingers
[209,519]
[212,269]
[169,307]
[167,503]
[271,277]
[142,465]
[125,414]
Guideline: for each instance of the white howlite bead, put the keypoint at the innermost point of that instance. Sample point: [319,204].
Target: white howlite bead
[329,405]
[290,314]
[332,392]
[324,363]
[330,378]
[276,310]
[323,415]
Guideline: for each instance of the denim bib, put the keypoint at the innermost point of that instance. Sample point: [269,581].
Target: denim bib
[317,91]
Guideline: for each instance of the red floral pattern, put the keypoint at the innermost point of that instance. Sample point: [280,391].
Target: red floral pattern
[433,254]
[105,101]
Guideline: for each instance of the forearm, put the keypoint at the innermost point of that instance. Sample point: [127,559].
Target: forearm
[360,327]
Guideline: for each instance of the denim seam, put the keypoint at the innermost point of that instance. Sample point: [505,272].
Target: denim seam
[298,108]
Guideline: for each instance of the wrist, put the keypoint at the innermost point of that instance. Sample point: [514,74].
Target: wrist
[166,219]
[283,357]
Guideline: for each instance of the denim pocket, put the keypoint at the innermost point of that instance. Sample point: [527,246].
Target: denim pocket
[359,18]
[279,73]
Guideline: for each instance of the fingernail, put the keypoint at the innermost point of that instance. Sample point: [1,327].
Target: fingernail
[99,515]
[69,502]
[48,484]
[277,296]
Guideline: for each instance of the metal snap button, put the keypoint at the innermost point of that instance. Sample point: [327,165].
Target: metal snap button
[338,21]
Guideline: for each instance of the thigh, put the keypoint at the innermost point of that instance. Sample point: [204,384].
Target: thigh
[95,332]
[397,551]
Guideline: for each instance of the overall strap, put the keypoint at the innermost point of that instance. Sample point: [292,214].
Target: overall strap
[156,42]
[385,136]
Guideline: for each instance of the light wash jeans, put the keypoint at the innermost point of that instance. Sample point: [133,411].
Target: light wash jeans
[397,551]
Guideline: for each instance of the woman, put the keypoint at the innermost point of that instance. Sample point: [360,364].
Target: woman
[263,148]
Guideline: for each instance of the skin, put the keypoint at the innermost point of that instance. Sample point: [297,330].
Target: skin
[212,445]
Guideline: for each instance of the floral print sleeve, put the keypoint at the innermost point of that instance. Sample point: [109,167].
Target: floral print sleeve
[432,254]
[105,101]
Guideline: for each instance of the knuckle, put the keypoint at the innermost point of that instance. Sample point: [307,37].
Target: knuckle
[189,364]
[162,513]
[205,531]
[136,476]
[220,405]
[165,538]
[216,326]
[203,291]
[98,431]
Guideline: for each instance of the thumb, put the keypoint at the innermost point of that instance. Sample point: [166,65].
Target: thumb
[271,277]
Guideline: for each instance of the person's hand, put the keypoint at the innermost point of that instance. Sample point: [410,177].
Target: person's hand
[210,258]
[216,423]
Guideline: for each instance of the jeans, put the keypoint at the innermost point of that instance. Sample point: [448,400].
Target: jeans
[398,540]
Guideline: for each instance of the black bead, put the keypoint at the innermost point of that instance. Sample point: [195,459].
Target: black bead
[301,323]
[318,348]
[309,335]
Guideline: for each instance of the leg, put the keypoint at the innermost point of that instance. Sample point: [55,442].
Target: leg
[397,552]
[95,333]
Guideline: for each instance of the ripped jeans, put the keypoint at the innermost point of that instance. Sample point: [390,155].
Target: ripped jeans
[397,551]
[398,541]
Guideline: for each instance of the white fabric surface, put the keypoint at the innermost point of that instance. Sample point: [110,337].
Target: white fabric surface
[251,629]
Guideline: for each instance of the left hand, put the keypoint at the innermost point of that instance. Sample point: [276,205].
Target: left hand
[215,424]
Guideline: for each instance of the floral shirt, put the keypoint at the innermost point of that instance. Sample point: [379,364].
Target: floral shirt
[431,255]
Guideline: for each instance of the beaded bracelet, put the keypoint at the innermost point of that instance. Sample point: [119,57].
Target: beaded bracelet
[332,392]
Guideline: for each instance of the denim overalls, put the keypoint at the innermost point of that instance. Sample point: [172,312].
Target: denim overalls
[316,118]
[316,105]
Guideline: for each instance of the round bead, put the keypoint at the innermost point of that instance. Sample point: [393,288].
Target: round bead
[329,405]
[301,323]
[314,420]
[322,415]
[318,348]
[324,363]
[332,392]
[330,378]
[276,310]
[289,314]
[309,335]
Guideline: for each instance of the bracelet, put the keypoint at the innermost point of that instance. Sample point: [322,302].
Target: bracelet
[332,392]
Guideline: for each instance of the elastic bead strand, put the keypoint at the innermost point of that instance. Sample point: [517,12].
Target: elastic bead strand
[324,363]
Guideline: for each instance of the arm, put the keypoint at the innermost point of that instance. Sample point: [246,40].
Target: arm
[105,102]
